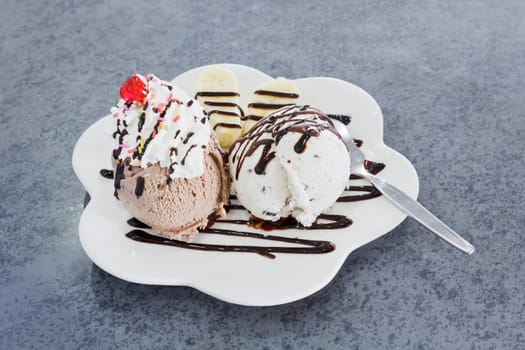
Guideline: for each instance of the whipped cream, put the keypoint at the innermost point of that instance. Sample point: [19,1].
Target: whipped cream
[166,127]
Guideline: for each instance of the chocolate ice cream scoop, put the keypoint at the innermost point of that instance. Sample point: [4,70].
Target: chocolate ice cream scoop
[175,209]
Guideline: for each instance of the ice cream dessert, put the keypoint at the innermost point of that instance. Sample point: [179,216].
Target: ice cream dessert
[287,168]
[290,163]
[168,168]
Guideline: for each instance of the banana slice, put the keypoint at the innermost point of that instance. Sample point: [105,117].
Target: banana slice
[218,93]
[269,97]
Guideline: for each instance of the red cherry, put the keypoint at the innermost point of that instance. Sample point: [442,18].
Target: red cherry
[133,89]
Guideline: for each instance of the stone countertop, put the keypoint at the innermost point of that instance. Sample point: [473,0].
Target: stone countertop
[449,76]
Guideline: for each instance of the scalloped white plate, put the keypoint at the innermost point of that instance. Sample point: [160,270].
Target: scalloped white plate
[242,278]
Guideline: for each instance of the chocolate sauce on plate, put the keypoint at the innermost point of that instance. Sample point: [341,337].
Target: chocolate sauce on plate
[345,119]
[374,167]
[334,222]
[119,174]
[107,173]
[139,188]
[224,104]
[267,105]
[276,93]
[216,94]
[134,222]
[368,192]
[308,246]
[312,246]
[226,125]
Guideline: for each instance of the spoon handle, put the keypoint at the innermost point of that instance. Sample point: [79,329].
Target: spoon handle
[417,211]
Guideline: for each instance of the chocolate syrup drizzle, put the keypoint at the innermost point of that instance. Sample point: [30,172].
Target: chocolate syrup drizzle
[222,112]
[121,133]
[345,119]
[334,222]
[269,106]
[119,173]
[374,167]
[369,192]
[226,125]
[107,173]
[140,152]
[312,246]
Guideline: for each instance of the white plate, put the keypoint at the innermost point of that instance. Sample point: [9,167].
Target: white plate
[242,278]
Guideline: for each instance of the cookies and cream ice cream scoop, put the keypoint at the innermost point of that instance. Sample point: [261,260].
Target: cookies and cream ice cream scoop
[290,163]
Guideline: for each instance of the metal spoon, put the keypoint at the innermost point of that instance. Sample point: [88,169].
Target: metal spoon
[410,206]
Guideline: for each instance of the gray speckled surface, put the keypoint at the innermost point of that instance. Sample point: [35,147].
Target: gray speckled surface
[449,76]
